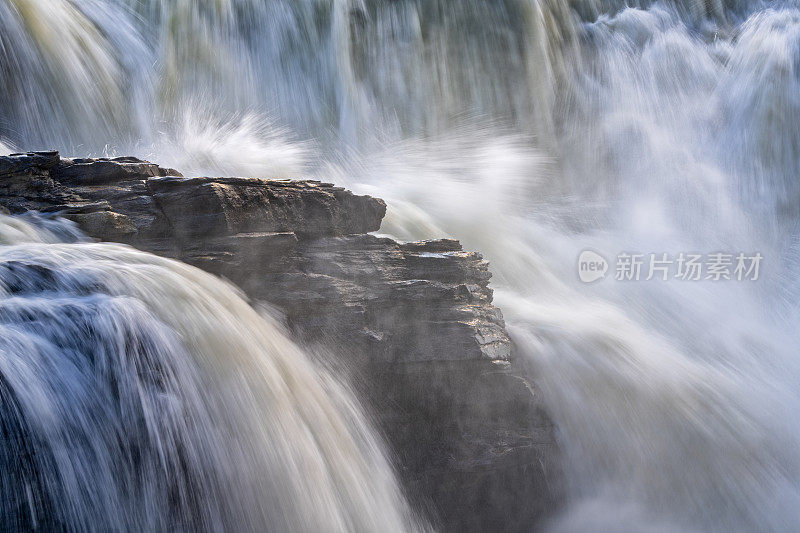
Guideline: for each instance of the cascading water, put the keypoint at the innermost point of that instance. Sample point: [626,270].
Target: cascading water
[530,130]
[140,394]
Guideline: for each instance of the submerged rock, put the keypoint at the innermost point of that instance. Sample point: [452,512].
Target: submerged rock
[413,323]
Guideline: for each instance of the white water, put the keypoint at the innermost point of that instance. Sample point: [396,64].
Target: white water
[529,130]
[141,394]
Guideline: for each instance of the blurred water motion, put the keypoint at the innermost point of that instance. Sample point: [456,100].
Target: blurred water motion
[530,130]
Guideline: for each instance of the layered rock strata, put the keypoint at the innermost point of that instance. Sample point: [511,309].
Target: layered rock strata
[413,323]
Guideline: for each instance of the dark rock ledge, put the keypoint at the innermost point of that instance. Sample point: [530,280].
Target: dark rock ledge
[413,322]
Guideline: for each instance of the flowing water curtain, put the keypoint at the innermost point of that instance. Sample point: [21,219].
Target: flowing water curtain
[137,393]
[84,73]
[357,66]
[125,71]
[760,92]
[63,77]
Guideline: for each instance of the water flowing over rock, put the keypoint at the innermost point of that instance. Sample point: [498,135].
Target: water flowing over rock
[530,130]
[138,393]
[412,323]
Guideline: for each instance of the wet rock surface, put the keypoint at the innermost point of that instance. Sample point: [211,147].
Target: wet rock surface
[413,323]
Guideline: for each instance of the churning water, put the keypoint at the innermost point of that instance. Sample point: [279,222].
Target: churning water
[529,129]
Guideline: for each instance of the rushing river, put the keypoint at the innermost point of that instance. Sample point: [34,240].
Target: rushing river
[529,129]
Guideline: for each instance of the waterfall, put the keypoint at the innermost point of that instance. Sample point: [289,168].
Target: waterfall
[141,394]
[529,129]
